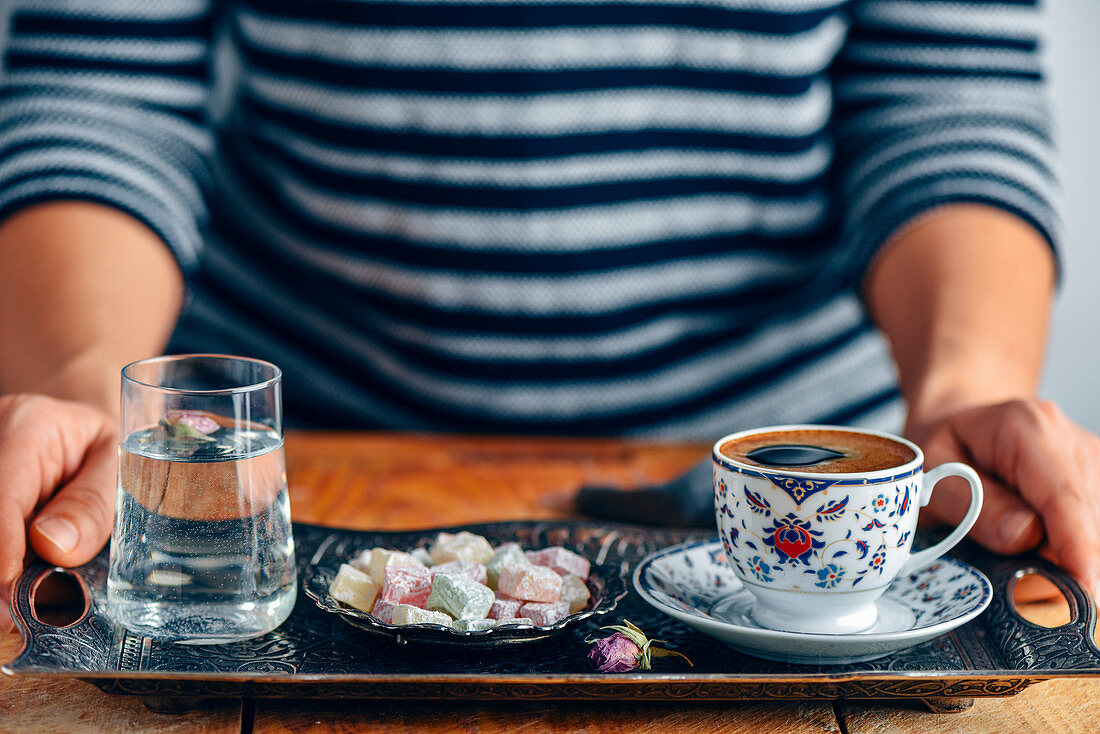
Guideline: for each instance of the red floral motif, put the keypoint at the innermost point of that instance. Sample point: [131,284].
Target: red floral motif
[793,539]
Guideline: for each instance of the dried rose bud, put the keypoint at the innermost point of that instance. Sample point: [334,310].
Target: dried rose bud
[625,650]
[615,654]
[179,420]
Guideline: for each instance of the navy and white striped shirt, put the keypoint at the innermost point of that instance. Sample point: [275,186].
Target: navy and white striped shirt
[641,217]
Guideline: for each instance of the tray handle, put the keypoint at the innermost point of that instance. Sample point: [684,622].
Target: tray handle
[1029,646]
[62,635]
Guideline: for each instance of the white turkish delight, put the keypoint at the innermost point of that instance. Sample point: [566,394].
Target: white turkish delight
[575,591]
[408,614]
[354,588]
[460,596]
[474,625]
[462,546]
[362,560]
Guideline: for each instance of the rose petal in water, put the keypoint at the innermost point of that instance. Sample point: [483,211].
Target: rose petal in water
[201,422]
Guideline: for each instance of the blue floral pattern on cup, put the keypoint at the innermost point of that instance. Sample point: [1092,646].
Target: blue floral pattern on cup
[804,539]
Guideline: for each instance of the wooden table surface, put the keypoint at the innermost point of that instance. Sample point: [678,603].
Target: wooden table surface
[410,481]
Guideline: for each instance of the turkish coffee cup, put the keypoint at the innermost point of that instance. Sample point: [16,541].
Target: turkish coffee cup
[817,521]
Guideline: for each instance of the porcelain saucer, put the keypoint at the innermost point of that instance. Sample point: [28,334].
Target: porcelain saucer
[693,583]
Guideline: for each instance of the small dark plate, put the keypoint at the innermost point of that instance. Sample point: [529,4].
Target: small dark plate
[605,583]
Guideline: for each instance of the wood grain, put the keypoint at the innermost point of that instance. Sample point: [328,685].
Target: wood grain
[51,704]
[412,481]
[735,717]
[1056,706]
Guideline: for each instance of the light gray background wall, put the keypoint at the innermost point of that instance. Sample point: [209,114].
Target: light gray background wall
[1073,63]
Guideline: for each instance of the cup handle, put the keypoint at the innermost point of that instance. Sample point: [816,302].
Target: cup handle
[931,478]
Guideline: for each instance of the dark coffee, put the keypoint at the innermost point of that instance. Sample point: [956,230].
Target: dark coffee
[818,450]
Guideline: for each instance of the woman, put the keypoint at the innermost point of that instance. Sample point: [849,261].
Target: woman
[651,218]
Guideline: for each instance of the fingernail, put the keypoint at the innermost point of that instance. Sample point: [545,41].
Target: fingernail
[1014,525]
[60,532]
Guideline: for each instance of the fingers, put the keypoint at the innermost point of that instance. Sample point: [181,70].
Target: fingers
[1007,524]
[11,537]
[77,521]
[6,623]
[43,444]
[1051,463]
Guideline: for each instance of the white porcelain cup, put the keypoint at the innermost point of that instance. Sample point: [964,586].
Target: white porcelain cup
[816,549]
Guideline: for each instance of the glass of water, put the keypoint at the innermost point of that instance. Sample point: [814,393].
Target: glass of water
[202,550]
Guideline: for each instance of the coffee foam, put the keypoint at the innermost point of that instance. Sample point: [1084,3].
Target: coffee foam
[862,452]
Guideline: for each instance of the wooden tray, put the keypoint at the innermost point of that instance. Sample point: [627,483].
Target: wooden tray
[318,655]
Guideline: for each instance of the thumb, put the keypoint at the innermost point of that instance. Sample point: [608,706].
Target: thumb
[77,521]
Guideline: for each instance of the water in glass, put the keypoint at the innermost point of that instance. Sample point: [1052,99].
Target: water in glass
[202,550]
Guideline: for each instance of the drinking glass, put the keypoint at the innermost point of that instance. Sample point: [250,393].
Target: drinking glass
[202,550]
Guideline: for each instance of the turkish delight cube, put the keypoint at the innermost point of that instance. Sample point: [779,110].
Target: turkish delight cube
[544,613]
[381,558]
[442,538]
[575,591]
[474,625]
[469,569]
[408,614]
[407,585]
[518,622]
[561,560]
[509,554]
[465,546]
[461,597]
[530,583]
[383,611]
[353,587]
[362,560]
[504,607]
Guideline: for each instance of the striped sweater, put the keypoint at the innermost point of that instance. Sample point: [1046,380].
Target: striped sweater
[636,217]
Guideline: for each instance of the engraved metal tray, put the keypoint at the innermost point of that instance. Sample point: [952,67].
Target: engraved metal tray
[315,654]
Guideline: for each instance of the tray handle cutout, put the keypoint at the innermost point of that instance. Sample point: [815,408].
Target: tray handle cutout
[59,598]
[1039,600]
[1033,645]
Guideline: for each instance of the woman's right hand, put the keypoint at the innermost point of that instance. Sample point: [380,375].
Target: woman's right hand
[58,465]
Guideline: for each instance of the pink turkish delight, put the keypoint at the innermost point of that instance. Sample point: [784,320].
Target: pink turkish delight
[383,611]
[469,569]
[407,585]
[565,562]
[544,613]
[530,583]
[504,607]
